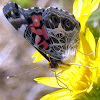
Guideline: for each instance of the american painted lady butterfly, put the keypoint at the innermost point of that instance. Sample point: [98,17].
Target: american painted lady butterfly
[52,31]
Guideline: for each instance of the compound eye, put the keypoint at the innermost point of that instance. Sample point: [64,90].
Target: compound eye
[68,25]
[54,19]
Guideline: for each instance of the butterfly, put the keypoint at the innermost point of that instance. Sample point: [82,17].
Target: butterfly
[52,31]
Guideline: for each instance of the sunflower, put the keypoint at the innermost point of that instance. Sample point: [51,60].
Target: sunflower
[84,73]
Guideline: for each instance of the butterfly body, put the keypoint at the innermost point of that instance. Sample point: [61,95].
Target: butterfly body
[52,31]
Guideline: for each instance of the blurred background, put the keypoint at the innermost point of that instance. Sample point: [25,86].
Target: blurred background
[16,52]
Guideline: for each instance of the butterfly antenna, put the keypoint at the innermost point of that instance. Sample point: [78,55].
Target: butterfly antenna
[86,54]
[14,76]
[82,65]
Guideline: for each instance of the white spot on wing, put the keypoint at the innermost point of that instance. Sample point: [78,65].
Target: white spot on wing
[32,8]
[25,9]
[22,29]
[35,20]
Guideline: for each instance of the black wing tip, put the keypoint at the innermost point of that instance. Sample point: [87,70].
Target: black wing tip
[8,7]
[10,4]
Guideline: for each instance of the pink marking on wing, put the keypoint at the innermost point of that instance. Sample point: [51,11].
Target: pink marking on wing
[36,20]
[31,25]
[44,44]
[44,33]
[40,17]
[32,28]
[39,32]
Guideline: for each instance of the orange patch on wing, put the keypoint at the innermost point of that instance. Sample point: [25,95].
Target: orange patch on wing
[31,25]
[39,32]
[44,44]
[44,33]
[40,17]
[32,28]
[36,20]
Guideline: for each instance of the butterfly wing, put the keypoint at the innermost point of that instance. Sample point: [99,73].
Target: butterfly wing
[53,32]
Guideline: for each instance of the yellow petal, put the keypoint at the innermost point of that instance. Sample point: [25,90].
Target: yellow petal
[91,41]
[47,81]
[38,56]
[86,47]
[89,6]
[62,94]
[98,49]
[86,2]
[77,8]
[97,63]
[35,54]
